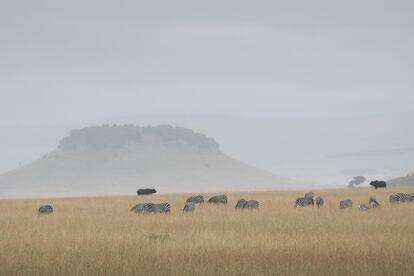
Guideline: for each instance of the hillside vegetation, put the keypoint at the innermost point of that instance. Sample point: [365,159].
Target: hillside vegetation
[117,136]
[99,236]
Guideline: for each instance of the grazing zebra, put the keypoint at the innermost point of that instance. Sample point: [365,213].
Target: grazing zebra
[401,197]
[251,204]
[218,199]
[364,207]
[45,210]
[162,208]
[189,207]
[302,202]
[373,203]
[143,208]
[196,199]
[319,202]
[310,197]
[347,203]
[240,203]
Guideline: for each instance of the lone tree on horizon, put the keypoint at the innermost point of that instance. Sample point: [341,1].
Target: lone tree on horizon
[357,181]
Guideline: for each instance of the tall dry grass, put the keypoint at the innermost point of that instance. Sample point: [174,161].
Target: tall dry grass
[99,236]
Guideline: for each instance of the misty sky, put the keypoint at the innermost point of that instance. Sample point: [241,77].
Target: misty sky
[69,64]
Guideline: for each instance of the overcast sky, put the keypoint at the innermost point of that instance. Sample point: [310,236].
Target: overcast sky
[69,64]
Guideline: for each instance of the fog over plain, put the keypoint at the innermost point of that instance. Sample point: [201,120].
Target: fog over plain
[314,90]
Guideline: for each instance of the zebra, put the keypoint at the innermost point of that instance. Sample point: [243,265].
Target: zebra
[45,210]
[401,197]
[162,208]
[251,204]
[364,207]
[347,203]
[189,207]
[319,202]
[143,208]
[301,201]
[218,199]
[373,203]
[310,197]
[196,199]
[240,204]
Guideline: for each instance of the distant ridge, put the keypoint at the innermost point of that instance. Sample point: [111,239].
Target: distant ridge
[116,160]
[407,180]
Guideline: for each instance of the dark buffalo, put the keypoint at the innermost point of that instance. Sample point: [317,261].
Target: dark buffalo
[45,210]
[378,184]
[146,191]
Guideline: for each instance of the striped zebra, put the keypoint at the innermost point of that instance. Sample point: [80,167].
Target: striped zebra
[149,208]
[310,197]
[240,203]
[401,197]
[196,199]
[319,202]
[251,204]
[189,207]
[143,208]
[303,202]
[218,199]
[162,208]
[373,203]
[344,204]
[45,210]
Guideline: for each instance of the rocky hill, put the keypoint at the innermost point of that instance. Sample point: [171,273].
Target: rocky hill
[115,160]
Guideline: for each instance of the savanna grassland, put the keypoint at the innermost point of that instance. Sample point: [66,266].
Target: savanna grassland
[99,236]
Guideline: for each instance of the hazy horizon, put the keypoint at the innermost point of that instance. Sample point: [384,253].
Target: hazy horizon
[315,91]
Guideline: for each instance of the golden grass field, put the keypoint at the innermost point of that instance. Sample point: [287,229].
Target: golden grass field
[99,236]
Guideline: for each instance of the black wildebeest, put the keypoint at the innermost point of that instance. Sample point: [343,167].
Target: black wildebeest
[146,191]
[378,184]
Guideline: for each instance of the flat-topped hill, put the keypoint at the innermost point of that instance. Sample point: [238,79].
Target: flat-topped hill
[116,160]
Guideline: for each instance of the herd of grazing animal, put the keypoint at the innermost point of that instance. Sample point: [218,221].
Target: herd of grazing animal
[309,199]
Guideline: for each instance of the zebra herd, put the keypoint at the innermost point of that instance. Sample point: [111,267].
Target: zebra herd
[308,200]
[190,205]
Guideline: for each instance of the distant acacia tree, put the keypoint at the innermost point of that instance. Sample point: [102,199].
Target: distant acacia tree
[358,180]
